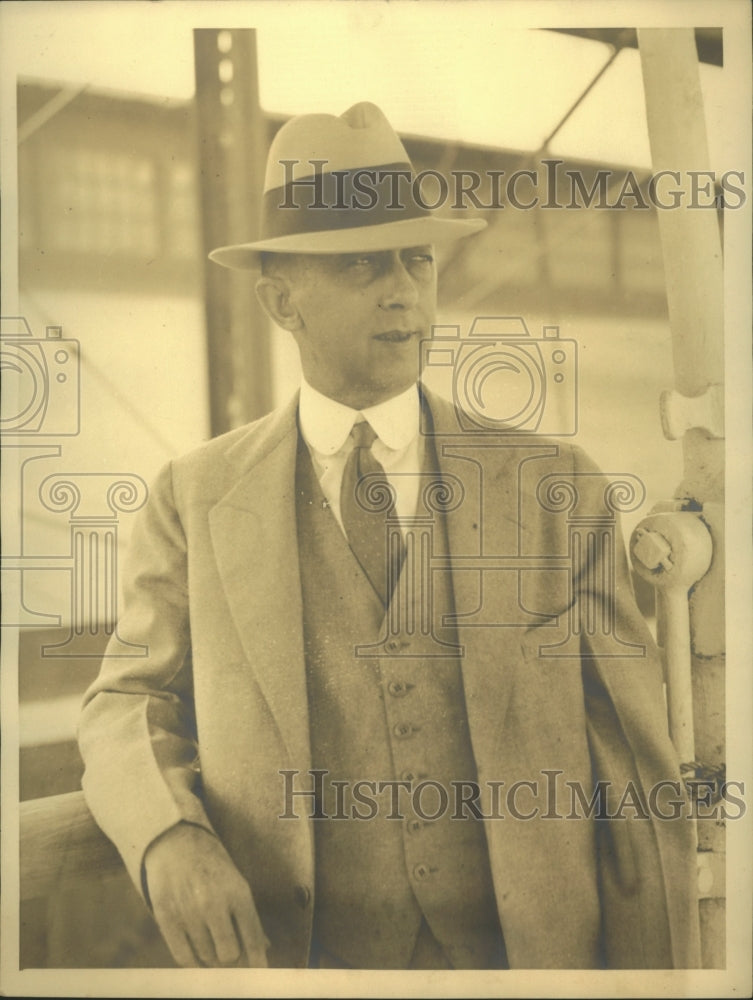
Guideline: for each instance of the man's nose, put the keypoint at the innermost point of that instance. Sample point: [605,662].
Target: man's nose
[400,290]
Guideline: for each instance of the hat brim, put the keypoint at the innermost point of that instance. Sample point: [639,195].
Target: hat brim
[388,236]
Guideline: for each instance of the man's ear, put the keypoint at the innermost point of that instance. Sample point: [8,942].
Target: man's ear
[273,292]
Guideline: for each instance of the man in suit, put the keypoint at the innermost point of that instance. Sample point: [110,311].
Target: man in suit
[380,644]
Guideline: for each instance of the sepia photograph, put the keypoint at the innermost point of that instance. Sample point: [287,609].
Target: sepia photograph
[376,498]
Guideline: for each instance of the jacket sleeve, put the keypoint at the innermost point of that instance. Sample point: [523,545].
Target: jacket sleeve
[137,731]
[646,857]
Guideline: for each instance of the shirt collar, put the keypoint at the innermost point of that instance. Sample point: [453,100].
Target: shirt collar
[326,424]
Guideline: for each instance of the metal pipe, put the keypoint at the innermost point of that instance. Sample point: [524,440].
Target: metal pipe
[673,551]
[691,247]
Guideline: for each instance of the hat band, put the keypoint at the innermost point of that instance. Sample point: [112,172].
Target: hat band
[341,199]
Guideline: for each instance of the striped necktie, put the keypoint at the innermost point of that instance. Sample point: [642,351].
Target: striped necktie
[366,500]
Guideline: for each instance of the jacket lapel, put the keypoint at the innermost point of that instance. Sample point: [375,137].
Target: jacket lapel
[253,530]
[489,653]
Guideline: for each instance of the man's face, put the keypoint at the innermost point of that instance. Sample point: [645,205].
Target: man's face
[362,319]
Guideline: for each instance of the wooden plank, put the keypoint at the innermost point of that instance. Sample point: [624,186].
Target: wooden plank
[61,845]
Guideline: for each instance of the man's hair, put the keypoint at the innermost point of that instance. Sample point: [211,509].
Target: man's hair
[273,264]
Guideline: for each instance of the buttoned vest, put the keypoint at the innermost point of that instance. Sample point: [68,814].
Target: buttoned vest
[388,855]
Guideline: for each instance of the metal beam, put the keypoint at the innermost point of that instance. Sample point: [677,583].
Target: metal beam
[232,148]
[708,41]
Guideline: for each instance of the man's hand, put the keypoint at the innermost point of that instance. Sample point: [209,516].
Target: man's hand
[202,903]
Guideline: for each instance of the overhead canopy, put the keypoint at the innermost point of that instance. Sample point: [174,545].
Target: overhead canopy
[472,79]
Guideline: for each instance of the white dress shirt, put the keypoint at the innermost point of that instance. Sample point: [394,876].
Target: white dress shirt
[326,425]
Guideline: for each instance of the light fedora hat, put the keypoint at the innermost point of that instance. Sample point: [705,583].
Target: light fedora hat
[341,185]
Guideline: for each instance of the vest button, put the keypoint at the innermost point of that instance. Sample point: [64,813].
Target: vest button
[403,730]
[398,689]
[392,645]
[408,776]
[421,872]
[302,895]
[414,825]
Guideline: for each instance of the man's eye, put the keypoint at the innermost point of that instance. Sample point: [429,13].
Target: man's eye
[421,258]
[364,261]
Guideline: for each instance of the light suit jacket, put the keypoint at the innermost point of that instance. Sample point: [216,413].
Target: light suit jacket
[212,590]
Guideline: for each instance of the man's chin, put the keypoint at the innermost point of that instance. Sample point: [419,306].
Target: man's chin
[375,393]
